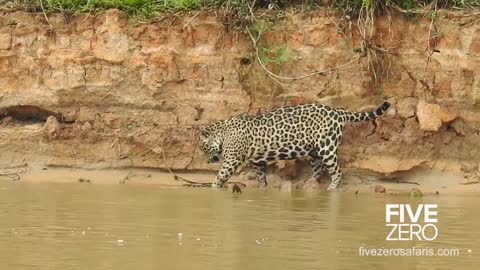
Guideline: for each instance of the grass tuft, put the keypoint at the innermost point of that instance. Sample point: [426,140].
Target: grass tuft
[241,10]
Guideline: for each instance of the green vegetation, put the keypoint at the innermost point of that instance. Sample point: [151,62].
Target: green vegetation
[142,8]
[278,54]
[354,7]
[240,8]
[255,18]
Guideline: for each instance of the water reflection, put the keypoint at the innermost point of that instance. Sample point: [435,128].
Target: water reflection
[68,226]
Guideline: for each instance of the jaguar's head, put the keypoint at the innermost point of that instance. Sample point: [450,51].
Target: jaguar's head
[211,143]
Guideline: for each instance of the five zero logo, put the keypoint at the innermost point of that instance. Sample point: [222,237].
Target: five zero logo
[412,223]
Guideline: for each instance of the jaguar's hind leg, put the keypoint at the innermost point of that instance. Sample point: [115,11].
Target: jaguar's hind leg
[331,164]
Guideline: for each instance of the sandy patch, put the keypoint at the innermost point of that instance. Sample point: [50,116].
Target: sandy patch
[429,182]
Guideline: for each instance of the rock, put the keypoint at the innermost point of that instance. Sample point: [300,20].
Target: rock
[85,115]
[380,189]
[475,44]
[111,44]
[460,127]
[7,120]
[470,181]
[83,180]
[113,47]
[251,175]
[5,38]
[75,76]
[288,168]
[113,121]
[392,111]
[471,173]
[432,116]
[406,107]
[51,128]
[311,185]
[297,185]
[86,127]
[236,189]
[469,166]
[390,126]
[286,186]
[415,192]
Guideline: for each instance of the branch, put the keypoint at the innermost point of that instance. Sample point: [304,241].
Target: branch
[45,15]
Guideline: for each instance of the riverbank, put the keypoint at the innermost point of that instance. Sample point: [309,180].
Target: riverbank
[127,94]
[429,182]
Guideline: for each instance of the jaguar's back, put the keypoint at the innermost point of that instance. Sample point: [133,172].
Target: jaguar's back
[293,131]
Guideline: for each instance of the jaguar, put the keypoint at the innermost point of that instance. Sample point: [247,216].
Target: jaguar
[309,131]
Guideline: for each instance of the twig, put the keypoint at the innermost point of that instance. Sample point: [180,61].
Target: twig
[468,24]
[176,177]
[432,50]
[191,19]
[189,182]
[127,177]
[145,117]
[195,143]
[408,182]
[23,166]
[15,176]
[45,15]
[309,44]
[250,7]
[137,132]
[75,153]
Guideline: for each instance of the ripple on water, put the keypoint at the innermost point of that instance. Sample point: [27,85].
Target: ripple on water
[105,227]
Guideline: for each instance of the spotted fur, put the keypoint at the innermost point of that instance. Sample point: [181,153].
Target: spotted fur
[311,130]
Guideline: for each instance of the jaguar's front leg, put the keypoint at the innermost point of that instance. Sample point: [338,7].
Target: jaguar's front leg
[229,166]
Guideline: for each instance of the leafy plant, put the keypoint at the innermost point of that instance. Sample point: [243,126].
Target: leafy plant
[277,55]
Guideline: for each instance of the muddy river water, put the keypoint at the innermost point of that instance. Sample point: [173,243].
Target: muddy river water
[94,226]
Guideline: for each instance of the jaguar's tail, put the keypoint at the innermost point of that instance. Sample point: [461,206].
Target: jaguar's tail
[366,116]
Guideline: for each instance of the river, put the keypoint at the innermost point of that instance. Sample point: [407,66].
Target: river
[95,226]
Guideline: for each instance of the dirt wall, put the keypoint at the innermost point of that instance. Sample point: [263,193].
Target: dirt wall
[133,93]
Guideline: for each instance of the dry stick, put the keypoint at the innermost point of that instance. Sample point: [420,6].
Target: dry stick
[432,50]
[189,182]
[75,153]
[24,166]
[176,177]
[195,143]
[191,19]
[470,23]
[250,7]
[14,176]
[127,177]
[310,44]
[45,15]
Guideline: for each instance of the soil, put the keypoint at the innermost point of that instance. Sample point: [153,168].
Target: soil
[429,182]
[125,95]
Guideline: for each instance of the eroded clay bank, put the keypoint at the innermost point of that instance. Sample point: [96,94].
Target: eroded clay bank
[132,94]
